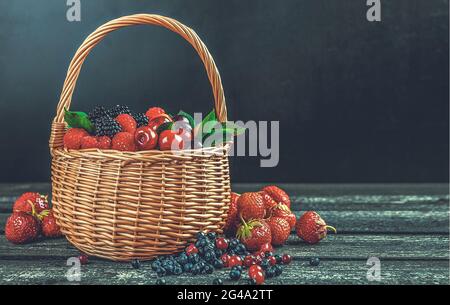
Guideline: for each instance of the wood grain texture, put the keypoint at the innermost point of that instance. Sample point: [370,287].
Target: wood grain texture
[328,272]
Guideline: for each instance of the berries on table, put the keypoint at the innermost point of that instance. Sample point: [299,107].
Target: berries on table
[235,274]
[29,201]
[249,261]
[160,282]
[191,249]
[217,281]
[256,272]
[73,136]
[83,258]
[314,261]
[272,260]
[225,258]
[21,228]
[124,141]
[126,122]
[251,282]
[312,228]
[49,226]
[280,230]
[234,260]
[170,140]
[146,138]
[278,270]
[286,259]
[232,221]
[106,126]
[284,212]
[254,234]
[278,258]
[267,247]
[277,194]
[251,206]
[136,264]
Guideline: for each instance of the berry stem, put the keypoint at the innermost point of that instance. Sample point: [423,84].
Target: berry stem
[330,228]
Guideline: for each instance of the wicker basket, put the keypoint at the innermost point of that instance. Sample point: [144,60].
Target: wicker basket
[137,205]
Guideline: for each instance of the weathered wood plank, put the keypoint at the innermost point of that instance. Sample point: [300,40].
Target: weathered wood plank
[357,247]
[299,272]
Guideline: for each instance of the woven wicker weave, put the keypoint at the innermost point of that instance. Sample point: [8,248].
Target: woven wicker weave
[137,205]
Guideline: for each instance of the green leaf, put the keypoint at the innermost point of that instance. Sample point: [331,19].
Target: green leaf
[187,116]
[164,126]
[238,130]
[78,119]
[210,117]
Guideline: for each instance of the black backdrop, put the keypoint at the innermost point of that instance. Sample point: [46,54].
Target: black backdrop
[357,101]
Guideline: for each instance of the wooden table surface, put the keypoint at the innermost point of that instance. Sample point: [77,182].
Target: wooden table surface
[406,226]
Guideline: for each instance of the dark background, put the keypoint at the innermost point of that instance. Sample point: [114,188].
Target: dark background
[357,101]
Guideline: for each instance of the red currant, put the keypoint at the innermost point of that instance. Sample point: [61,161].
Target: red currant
[234,261]
[221,243]
[225,259]
[191,249]
[272,260]
[84,259]
[267,247]
[256,272]
[286,259]
[249,261]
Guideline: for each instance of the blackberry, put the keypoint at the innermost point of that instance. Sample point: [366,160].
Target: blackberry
[97,113]
[106,126]
[140,118]
[136,264]
[118,109]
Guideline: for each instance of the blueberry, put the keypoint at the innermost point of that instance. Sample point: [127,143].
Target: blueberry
[278,270]
[235,274]
[268,253]
[209,269]
[182,258]
[251,282]
[156,264]
[218,252]
[194,258]
[233,243]
[270,272]
[240,249]
[160,282]
[177,270]
[200,243]
[161,271]
[210,256]
[136,264]
[238,268]
[188,267]
[200,235]
[278,258]
[217,282]
[211,235]
[231,252]
[315,261]
[265,263]
[218,264]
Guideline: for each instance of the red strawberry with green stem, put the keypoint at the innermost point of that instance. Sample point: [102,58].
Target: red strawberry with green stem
[280,230]
[281,210]
[254,234]
[49,226]
[312,228]
[29,202]
[277,194]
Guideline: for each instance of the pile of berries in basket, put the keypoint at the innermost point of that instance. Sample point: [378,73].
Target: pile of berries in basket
[256,223]
[121,129]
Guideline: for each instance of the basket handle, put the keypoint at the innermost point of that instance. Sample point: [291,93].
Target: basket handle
[139,19]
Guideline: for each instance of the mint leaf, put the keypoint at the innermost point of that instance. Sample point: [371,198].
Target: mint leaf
[78,119]
[187,116]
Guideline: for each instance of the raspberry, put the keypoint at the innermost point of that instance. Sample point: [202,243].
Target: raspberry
[104,142]
[72,138]
[126,122]
[154,112]
[88,142]
[124,141]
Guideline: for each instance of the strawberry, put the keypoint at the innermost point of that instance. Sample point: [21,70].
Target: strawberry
[280,230]
[124,141]
[251,206]
[154,112]
[283,211]
[49,226]
[232,221]
[102,142]
[254,234]
[312,228]
[29,202]
[126,122]
[73,136]
[277,194]
[269,202]
[21,228]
